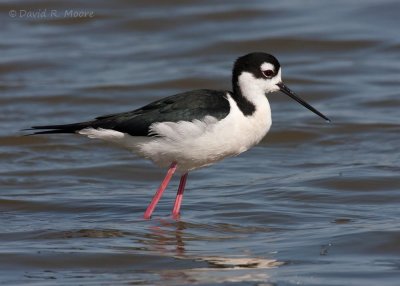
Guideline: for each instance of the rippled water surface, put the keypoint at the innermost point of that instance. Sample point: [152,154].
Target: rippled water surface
[312,204]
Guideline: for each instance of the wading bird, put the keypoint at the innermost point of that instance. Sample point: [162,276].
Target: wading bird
[196,128]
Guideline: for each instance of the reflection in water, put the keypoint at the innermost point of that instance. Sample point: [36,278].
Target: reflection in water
[164,239]
[168,239]
[224,269]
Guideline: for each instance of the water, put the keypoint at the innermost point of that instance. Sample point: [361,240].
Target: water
[313,204]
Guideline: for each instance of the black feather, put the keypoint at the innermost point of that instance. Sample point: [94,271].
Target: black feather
[186,106]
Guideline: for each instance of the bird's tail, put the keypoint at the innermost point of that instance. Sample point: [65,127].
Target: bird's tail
[52,129]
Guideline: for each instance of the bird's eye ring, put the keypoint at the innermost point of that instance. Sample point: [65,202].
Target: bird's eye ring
[268,73]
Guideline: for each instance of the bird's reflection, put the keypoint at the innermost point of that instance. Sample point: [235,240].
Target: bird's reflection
[168,237]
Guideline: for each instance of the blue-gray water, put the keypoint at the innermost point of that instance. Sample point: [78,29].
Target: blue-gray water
[313,204]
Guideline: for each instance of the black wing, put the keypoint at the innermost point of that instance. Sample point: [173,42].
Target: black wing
[186,106]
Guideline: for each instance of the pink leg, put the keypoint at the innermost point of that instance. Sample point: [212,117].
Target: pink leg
[179,196]
[160,191]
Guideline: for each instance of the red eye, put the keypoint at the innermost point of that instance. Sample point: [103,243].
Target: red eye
[268,73]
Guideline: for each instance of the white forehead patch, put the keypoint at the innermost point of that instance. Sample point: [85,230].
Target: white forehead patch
[267,66]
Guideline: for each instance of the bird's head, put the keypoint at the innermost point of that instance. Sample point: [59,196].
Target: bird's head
[262,72]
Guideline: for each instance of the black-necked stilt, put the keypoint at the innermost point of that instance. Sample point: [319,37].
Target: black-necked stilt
[197,128]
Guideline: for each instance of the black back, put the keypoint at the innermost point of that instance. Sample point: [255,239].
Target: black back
[186,106]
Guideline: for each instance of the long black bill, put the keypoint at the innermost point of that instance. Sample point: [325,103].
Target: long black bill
[287,91]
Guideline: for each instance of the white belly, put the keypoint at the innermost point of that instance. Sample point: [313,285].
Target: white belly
[198,143]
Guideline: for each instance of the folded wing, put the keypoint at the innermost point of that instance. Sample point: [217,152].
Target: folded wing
[186,106]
